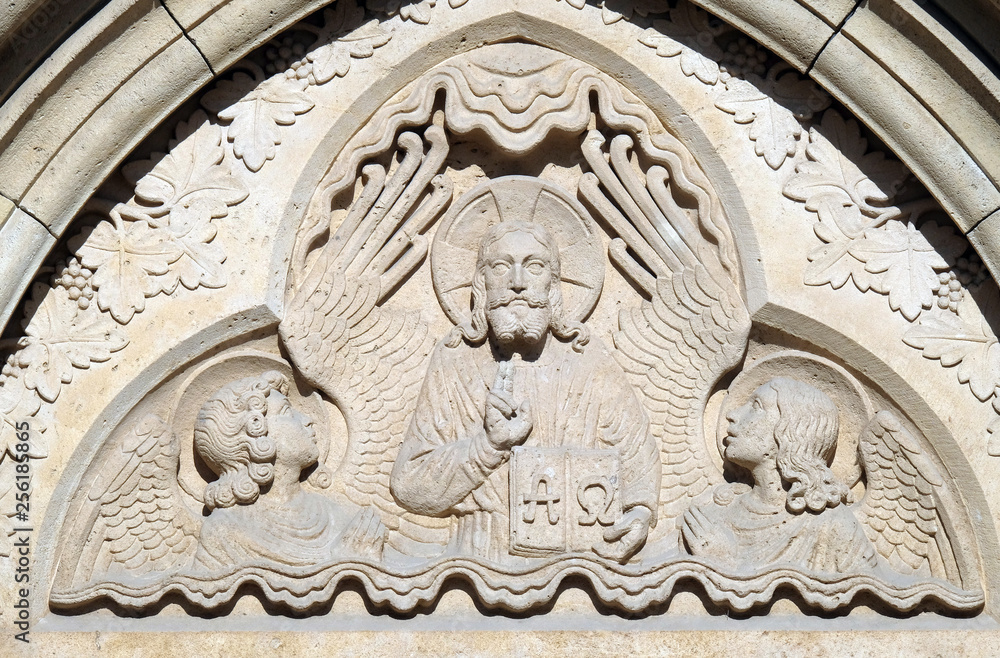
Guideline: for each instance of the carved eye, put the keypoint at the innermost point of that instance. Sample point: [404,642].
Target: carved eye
[500,267]
[535,267]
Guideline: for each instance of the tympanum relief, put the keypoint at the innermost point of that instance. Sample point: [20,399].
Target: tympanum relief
[512,350]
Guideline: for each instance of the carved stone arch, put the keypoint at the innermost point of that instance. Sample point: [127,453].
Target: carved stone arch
[784,317]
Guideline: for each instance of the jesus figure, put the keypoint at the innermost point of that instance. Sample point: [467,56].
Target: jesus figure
[519,373]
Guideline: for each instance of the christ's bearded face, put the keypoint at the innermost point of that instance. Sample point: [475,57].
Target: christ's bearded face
[519,277]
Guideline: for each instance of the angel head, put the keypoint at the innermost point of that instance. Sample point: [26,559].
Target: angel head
[791,427]
[516,294]
[244,430]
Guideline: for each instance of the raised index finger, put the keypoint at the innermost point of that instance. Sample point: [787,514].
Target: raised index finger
[507,367]
[498,381]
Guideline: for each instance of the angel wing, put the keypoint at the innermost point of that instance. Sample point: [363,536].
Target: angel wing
[135,518]
[691,329]
[368,358]
[901,508]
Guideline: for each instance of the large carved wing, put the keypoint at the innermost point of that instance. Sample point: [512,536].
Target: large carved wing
[690,330]
[370,359]
[134,521]
[901,508]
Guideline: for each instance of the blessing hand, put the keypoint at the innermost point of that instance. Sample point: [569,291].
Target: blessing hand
[507,424]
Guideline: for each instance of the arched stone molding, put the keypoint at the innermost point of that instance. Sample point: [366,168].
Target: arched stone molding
[117,77]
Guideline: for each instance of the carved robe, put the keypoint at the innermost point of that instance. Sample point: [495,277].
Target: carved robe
[831,541]
[578,400]
[303,532]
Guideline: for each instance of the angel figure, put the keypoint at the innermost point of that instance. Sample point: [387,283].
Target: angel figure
[134,525]
[798,514]
[251,437]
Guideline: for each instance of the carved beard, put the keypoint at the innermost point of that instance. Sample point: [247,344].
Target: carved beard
[515,318]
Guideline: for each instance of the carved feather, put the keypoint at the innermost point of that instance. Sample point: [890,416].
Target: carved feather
[367,357]
[674,348]
[144,524]
[900,507]
[676,345]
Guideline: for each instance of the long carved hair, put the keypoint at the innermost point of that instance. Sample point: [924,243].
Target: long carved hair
[231,437]
[476,329]
[806,434]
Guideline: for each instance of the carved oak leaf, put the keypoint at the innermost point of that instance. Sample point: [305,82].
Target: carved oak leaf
[955,341]
[334,59]
[256,109]
[192,173]
[126,258]
[61,337]
[907,264]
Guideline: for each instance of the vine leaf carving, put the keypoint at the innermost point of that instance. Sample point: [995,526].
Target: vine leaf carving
[168,238]
[692,36]
[127,258]
[953,340]
[418,12]
[773,131]
[905,262]
[61,337]
[334,60]
[17,403]
[833,264]
[613,11]
[191,177]
[772,106]
[830,179]
[256,108]
[846,201]
[201,260]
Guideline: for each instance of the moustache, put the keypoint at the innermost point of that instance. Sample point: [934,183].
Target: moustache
[533,301]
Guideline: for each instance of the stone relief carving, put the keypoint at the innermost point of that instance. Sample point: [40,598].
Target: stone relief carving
[161,238]
[258,100]
[503,436]
[798,512]
[249,433]
[895,250]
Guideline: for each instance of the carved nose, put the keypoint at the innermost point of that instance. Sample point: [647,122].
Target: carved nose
[517,279]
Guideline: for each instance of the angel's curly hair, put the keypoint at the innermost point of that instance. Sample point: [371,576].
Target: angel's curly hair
[806,433]
[230,435]
[476,328]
